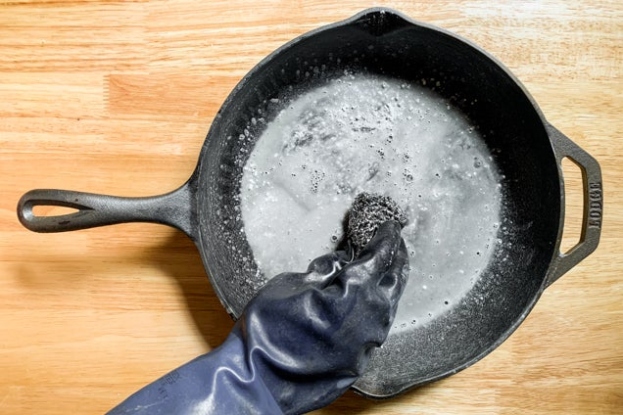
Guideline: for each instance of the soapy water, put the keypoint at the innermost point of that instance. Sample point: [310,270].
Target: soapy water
[367,133]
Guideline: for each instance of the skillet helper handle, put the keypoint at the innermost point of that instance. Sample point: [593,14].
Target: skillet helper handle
[92,210]
[593,203]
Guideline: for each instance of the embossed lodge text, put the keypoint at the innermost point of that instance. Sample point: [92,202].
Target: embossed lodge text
[595,205]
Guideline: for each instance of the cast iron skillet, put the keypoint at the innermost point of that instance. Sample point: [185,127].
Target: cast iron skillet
[527,151]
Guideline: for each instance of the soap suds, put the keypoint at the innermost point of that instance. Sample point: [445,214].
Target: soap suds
[364,133]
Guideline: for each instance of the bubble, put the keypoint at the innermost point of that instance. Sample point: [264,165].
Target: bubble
[408,176]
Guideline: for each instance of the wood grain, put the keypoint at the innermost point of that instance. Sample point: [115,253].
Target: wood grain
[116,97]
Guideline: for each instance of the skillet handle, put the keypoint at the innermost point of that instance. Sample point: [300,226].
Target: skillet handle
[92,210]
[593,203]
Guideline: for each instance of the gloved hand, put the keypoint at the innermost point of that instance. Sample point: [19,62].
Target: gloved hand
[300,343]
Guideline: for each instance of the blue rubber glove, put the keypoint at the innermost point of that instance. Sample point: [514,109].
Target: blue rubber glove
[300,343]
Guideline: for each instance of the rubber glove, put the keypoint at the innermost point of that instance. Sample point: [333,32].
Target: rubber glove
[300,343]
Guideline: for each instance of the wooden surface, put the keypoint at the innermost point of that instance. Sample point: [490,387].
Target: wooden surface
[116,98]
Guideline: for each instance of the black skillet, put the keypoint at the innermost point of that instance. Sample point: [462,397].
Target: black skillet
[528,152]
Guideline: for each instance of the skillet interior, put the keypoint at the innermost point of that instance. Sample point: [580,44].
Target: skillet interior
[511,126]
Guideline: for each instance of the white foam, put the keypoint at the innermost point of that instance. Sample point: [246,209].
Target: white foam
[374,134]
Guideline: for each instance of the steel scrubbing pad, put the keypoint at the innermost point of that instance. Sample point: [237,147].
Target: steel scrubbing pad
[368,212]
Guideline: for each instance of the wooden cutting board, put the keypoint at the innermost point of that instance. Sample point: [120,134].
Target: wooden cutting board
[116,97]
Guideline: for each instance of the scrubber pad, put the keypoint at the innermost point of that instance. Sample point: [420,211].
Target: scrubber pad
[367,213]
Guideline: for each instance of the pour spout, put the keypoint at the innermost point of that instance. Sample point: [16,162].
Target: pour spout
[380,21]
